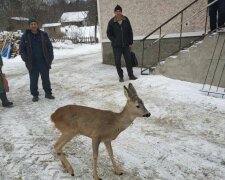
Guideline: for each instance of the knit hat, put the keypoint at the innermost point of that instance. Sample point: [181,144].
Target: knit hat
[118,8]
[31,20]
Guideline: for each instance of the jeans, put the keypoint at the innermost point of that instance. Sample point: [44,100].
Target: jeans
[126,54]
[43,70]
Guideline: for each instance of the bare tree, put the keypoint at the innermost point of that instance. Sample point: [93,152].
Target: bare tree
[8,9]
[93,14]
[33,7]
[46,11]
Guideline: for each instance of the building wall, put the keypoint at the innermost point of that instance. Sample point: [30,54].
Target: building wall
[146,15]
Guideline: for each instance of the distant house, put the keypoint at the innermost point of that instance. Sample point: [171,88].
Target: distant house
[15,23]
[74,18]
[53,29]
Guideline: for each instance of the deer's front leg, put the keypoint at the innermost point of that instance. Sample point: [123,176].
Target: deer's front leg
[95,145]
[110,151]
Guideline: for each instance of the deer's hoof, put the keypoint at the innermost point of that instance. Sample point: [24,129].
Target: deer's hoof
[118,173]
[71,172]
[97,178]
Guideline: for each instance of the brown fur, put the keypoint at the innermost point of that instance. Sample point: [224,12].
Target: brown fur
[99,125]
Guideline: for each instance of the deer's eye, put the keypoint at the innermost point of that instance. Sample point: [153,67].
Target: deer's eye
[138,106]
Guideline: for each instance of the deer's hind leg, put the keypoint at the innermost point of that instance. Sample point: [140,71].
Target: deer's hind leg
[64,138]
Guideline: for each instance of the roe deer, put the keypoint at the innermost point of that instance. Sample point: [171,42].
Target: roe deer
[99,125]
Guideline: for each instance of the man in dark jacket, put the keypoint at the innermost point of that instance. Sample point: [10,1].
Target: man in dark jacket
[219,7]
[120,33]
[37,52]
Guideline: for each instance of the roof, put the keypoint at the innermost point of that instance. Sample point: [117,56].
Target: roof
[19,18]
[74,16]
[51,25]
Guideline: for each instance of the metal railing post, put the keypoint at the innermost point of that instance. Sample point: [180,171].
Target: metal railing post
[159,53]
[206,19]
[210,63]
[222,70]
[181,29]
[142,61]
[216,66]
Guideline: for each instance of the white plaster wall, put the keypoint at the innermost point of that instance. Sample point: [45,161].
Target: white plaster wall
[146,15]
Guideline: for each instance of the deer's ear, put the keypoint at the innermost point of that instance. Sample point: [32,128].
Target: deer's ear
[126,93]
[132,89]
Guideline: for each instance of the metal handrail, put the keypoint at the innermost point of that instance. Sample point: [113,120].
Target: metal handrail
[215,71]
[180,12]
[169,20]
[181,29]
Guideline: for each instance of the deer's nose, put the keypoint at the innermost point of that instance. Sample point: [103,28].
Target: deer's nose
[147,115]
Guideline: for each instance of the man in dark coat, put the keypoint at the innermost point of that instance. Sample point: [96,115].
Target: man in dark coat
[218,7]
[120,33]
[37,52]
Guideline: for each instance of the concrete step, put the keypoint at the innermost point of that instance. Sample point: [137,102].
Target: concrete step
[192,64]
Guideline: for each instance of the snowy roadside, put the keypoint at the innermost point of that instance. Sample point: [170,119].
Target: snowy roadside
[183,139]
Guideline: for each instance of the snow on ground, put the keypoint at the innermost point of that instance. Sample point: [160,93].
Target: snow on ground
[183,139]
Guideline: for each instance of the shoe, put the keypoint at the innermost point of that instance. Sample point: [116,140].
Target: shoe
[35,98]
[212,32]
[132,77]
[7,104]
[221,29]
[49,96]
[121,80]
[5,101]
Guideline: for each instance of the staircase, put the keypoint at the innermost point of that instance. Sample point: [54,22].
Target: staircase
[198,58]
[153,52]
[203,62]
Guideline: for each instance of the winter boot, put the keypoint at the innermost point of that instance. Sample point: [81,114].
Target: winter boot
[49,96]
[121,79]
[35,99]
[5,101]
[132,77]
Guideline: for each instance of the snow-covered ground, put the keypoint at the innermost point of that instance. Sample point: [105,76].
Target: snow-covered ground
[183,139]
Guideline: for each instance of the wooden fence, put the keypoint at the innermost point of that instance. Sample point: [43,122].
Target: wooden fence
[76,40]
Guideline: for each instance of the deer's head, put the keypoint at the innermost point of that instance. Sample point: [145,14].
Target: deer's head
[135,104]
